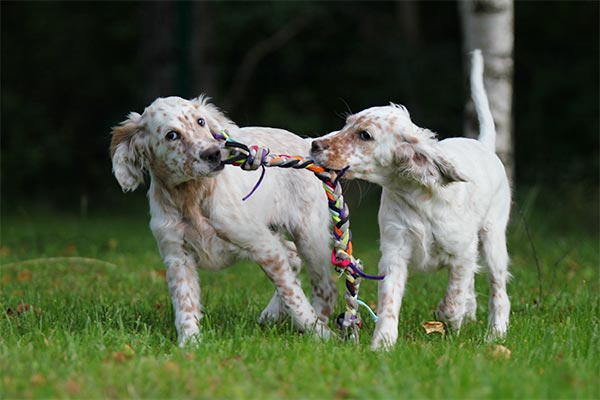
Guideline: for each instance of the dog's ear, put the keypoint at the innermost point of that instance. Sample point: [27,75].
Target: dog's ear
[447,171]
[216,120]
[128,153]
[425,165]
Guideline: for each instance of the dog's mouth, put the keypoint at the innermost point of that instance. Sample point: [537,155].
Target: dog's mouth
[215,170]
[318,159]
[325,162]
[198,169]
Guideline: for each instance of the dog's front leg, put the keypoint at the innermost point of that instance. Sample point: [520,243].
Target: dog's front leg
[389,300]
[184,287]
[396,249]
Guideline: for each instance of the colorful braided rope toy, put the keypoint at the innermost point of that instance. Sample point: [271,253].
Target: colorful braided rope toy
[253,157]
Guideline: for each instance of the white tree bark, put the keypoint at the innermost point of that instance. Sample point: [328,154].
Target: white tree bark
[489,25]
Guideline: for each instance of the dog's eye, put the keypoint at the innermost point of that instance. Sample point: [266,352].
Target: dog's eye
[172,135]
[201,121]
[364,135]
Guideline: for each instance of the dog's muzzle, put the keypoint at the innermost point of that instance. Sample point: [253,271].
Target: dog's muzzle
[318,146]
[212,156]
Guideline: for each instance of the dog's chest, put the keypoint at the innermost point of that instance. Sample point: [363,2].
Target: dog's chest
[210,251]
[434,236]
[192,235]
[430,255]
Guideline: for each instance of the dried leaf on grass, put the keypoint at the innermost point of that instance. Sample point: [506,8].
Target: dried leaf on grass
[342,393]
[38,379]
[434,327]
[500,352]
[118,357]
[24,276]
[72,387]
[21,308]
[172,367]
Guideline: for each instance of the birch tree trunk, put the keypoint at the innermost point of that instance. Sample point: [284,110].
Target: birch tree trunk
[489,25]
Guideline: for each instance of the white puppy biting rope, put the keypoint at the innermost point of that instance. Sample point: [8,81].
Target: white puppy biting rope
[441,202]
[199,219]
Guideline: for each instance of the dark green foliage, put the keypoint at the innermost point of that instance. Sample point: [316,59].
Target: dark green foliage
[71,70]
[556,91]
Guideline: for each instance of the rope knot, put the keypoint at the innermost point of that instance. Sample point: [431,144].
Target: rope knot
[256,158]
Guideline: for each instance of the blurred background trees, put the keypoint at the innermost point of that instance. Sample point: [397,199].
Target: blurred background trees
[72,70]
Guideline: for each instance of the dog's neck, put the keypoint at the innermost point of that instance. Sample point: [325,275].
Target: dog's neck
[409,190]
[187,199]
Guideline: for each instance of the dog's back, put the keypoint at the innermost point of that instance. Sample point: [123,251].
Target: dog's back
[285,197]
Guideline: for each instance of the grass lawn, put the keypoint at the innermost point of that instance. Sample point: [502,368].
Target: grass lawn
[92,318]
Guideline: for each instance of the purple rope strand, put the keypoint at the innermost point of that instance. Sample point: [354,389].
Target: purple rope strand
[365,275]
[263,158]
[262,175]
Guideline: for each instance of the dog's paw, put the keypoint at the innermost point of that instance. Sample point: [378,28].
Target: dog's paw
[322,331]
[451,314]
[471,309]
[267,317]
[274,312]
[385,335]
[190,341]
[496,332]
[383,342]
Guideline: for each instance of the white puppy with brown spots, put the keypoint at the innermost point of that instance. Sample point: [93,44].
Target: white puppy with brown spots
[441,200]
[198,217]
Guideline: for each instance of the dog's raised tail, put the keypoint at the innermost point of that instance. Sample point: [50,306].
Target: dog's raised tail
[487,130]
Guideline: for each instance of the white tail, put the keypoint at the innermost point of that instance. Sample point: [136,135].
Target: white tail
[487,130]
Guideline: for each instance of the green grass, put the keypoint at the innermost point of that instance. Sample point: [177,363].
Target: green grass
[98,330]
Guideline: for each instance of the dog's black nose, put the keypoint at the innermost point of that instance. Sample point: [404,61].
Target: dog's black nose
[212,155]
[318,146]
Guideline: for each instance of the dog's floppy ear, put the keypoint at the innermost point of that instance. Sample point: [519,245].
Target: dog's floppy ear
[128,153]
[447,171]
[424,164]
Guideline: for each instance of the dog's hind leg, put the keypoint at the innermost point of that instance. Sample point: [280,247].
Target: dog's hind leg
[459,300]
[313,247]
[272,256]
[471,302]
[454,306]
[494,248]
[275,311]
